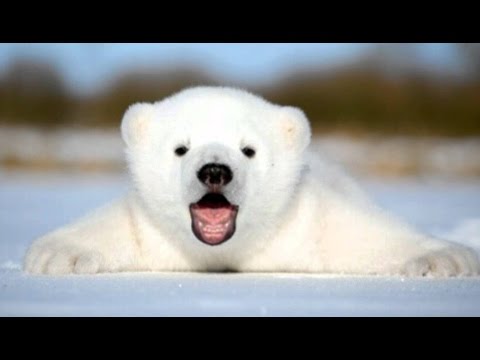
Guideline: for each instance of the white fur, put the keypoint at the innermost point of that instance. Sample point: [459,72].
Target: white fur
[293,215]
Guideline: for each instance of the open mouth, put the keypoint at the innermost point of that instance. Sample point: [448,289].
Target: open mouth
[213,219]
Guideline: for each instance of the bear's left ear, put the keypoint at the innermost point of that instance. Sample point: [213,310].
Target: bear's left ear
[295,128]
[135,123]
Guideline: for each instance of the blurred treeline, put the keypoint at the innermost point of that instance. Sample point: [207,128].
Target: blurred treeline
[355,98]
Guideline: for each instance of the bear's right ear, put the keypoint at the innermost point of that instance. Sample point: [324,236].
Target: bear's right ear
[135,123]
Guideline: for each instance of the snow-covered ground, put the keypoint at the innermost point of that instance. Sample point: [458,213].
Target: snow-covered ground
[386,155]
[32,204]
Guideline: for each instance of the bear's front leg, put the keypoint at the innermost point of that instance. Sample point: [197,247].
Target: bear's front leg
[102,241]
[380,253]
[360,238]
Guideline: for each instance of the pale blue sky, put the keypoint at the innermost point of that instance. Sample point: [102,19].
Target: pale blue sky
[89,66]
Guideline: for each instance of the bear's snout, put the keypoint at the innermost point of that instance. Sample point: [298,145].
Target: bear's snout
[215,176]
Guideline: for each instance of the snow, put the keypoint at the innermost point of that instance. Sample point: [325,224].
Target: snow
[235,295]
[32,204]
[62,146]
[73,147]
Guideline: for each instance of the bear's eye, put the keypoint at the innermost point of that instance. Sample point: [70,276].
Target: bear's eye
[181,150]
[248,152]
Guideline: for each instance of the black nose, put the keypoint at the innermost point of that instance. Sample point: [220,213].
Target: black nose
[215,175]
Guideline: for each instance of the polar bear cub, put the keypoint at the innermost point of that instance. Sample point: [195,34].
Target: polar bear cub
[221,181]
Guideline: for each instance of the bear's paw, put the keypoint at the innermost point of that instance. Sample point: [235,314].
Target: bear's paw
[446,262]
[63,260]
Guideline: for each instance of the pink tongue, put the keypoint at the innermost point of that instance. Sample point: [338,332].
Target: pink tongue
[214,225]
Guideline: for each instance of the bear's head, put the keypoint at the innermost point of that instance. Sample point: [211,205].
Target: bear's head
[215,163]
